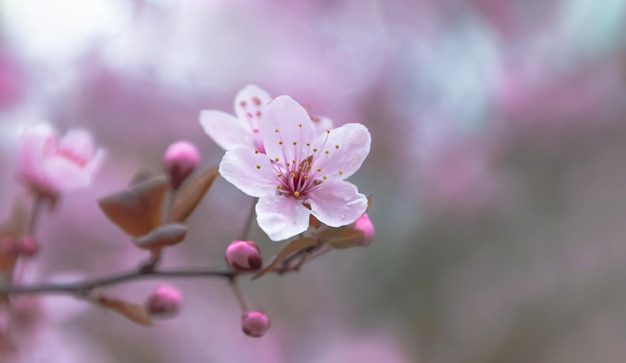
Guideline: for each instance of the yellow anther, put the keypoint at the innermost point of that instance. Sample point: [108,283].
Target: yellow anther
[293,175]
[299,125]
[328,131]
[294,142]
[326,152]
[296,194]
[280,187]
[280,143]
[276,159]
[340,172]
[258,166]
[277,130]
[279,175]
[324,177]
[314,149]
[256,151]
[308,144]
[319,169]
[337,146]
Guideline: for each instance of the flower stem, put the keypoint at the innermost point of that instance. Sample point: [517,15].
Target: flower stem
[238,294]
[246,227]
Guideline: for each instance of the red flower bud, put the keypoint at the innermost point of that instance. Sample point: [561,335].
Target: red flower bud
[243,255]
[165,301]
[180,159]
[365,225]
[255,323]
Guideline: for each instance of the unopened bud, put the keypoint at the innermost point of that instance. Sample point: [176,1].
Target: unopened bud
[27,246]
[255,323]
[165,301]
[180,159]
[365,225]
[244,255]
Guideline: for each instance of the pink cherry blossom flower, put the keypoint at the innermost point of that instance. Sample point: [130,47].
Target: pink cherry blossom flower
[230,132]
[51,165]
[301,173]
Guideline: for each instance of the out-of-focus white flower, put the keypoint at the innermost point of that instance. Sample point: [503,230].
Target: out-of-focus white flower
[50,164]
[302,172]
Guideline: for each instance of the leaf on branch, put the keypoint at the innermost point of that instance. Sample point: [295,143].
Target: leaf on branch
[346,238]
[141,176]
[133,312]
[191,194]
[166,235]
[137,210]
[292,247]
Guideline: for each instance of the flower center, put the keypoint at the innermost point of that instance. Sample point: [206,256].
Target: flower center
[296,179]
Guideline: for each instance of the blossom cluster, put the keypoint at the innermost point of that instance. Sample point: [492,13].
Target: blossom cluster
[294,163]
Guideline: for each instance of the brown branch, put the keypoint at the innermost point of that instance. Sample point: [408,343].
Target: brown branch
[82,288]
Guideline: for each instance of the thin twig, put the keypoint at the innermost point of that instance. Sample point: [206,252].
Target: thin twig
[238,294]
[246,227]
[83,287]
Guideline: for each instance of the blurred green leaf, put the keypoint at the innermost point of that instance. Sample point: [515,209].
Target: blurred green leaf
[191,194]
[133,312]
[137,210]
[166,235]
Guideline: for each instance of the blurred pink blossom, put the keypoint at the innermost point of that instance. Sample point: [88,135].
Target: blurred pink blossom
[300,167]
[51,165]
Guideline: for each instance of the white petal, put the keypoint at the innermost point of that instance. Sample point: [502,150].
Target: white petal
[32,141]
[250,105]
[281,217]
[64,174]
[287,122]
[226,130]
[79,143]
[252,173]
[341,152]
[337,203]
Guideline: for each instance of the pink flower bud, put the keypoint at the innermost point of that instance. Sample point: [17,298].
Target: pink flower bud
[180,159]
[243,255]
[27,246]
[365,225]
[255,323]
[165,301]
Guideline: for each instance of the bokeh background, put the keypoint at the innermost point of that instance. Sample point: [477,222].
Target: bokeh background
[498,174]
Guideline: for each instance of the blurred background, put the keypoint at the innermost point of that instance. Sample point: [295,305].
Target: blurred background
[498,174]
